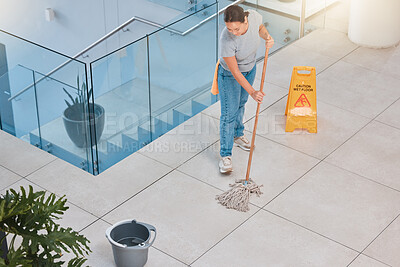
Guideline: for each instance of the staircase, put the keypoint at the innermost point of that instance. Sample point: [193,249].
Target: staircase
[132,139]
[113,148]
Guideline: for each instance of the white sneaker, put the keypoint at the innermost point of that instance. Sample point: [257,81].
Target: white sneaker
[243,143]
[225,164]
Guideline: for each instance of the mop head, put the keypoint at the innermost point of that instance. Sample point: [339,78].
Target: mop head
[238,196]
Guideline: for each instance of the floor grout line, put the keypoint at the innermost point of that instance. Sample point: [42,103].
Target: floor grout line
[223,238]
[361,176]
[137,193]
[308,229]
[379,235]
[175,258]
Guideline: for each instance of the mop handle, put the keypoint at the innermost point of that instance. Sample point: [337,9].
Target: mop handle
[256,120]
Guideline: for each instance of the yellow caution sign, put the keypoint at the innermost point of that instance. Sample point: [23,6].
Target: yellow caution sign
[301,106]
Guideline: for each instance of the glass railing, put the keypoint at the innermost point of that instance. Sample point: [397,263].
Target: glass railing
[288,20]
[34,83]
[19,116]
[155,78]
[147,87]
[121,87]
[63,113]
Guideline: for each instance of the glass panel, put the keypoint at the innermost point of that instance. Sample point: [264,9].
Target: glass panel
[64,127]
[315,15]
[332,14]
[183,8]
[23,107]
[181,68]
[36,80]
[120,86]
[30,55]
[281,19]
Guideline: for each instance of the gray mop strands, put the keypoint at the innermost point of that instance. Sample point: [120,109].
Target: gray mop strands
[238,196]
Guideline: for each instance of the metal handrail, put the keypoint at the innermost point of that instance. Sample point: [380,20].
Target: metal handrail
[118,29]
[212,16]
[92,46]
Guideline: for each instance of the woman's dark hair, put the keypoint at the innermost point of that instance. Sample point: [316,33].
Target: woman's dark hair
[235,13]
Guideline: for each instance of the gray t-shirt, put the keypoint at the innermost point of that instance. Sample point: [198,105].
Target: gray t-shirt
[245,46]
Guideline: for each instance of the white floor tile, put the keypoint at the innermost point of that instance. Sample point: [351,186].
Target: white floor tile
[76,218]
[390,116]
[73,217]
[339,205]
[267,240]
[385,61]
[185,213]
[102,255]
[7,178]
[334,125]
[374,153]
[364,261]
[274,166]
[24,183]
[327,42]
[157,258]
[357,89]
[280,65]
[386,246]
[20,157]
[100,194]
[184,141]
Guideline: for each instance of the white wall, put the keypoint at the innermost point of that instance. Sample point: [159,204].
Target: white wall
[77,23]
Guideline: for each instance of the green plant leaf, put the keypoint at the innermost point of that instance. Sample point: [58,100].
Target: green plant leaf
[32,216]
[70,97]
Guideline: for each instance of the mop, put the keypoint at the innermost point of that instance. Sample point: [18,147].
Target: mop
[239,195]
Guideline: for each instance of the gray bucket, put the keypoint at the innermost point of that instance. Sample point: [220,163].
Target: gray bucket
[130,241]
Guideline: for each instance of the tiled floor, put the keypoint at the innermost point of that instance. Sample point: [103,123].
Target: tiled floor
[330,199]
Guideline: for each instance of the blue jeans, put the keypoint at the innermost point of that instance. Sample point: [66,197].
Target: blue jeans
[233,97]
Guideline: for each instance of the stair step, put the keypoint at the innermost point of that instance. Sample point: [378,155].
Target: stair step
[115,145]
[182,113]
[160,127]
[201,102]
[144,134]
[131,141]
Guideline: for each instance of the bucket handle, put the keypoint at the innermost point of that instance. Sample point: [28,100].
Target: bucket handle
[109,229]
[151,228]
[108,232]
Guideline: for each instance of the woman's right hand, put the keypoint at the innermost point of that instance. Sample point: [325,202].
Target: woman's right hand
[258,96]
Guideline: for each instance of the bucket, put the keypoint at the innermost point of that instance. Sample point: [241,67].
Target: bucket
[130,241]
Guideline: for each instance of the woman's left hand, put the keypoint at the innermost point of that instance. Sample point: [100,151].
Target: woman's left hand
[269,42]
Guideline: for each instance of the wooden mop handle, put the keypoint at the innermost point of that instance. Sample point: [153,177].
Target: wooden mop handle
[256,120]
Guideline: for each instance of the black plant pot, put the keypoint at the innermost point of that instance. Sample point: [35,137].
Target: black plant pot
[4,247]
[75,123]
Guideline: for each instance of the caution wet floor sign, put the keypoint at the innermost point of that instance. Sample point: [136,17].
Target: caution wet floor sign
[301,106]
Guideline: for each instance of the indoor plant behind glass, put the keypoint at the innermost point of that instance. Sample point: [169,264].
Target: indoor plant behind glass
[80,114]
[35,239]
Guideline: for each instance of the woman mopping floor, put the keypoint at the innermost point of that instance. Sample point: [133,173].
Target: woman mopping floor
[239,42]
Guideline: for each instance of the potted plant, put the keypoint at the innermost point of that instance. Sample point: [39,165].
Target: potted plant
[30,219]
[80,114]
